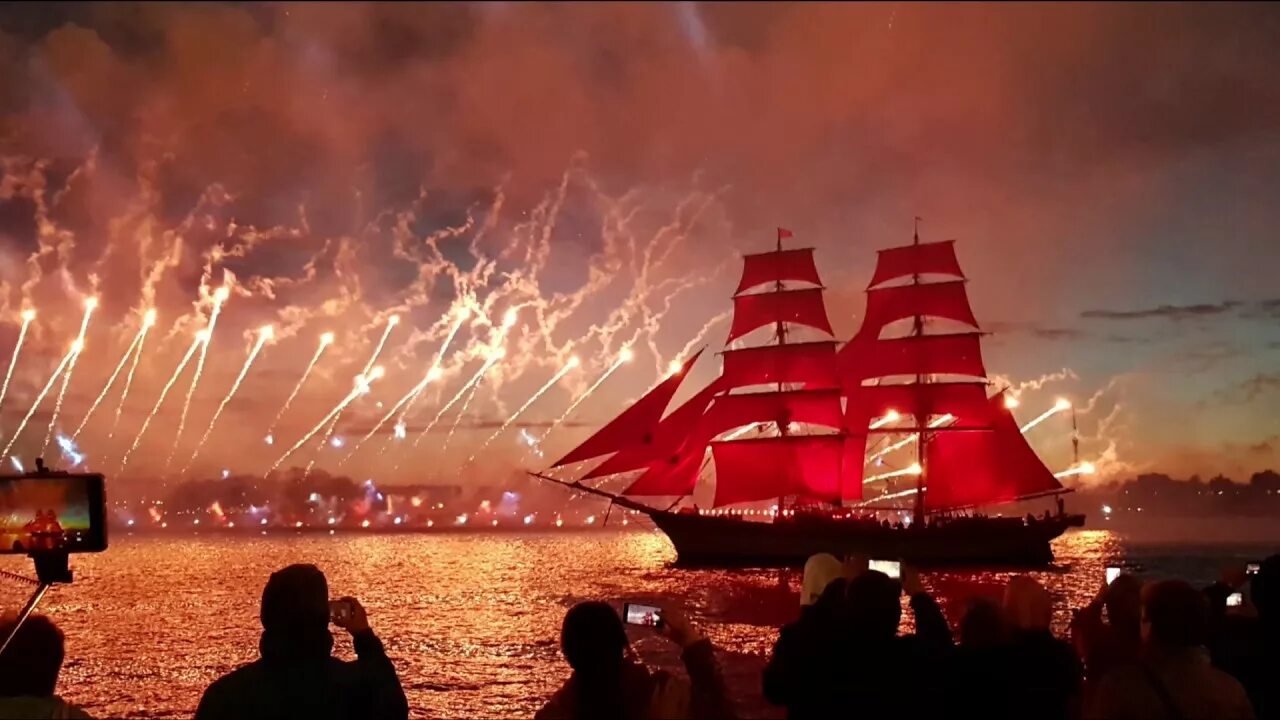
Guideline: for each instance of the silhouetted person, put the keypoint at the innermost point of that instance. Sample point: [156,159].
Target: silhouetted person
[296,677]
[979,672]
[1249,648]
[29,671]
[1173,678]
[606,684]
[1104,646]
[1044,672]
[819,571]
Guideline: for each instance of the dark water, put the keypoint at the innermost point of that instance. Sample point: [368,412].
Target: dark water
[471,621]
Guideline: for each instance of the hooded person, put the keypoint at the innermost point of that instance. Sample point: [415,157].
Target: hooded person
[1044,673]
[607,683]
[295,675]
[29,671]
[819,571]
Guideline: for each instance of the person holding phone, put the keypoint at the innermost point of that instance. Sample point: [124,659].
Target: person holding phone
[296,676]
[1106,644]
[606,683]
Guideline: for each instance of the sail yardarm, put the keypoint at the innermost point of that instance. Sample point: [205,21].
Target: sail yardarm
[964,469]
[802,307]
[767,468]
[965,402]
[635,424]
[923,259]
[811,363]
[674,430]
[778,266]
[946,300]
[952,354]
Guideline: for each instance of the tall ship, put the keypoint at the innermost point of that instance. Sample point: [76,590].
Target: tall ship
[892,445]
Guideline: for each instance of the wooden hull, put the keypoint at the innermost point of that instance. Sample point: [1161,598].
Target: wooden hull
[710,541]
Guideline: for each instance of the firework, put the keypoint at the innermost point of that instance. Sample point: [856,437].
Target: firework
[624,357]
[1060,406]
[265,333]
[468,385]
[889,417]
[1084,468]
[200,339]
[219,296]
[377,350]
[573,363]
[462,412]
[936,422]
[27,317]
[362,383]
[914,469]
[325,341]
[75,348]
[90,305]
[147,322]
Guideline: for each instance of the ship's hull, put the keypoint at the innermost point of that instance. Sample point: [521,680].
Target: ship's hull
[716,541]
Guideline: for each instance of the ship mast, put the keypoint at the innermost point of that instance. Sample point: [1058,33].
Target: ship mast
[921,422]
[781,331]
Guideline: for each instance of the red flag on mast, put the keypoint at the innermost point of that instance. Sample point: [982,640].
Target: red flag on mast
[784,233]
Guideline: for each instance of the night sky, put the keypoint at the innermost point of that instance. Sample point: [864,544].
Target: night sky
[1110,172]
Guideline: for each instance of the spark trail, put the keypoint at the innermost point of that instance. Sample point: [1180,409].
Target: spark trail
[470,384]
[265,333]
[417,390]
[89,306]
[458,418]
[377,350]
[147,322]
[573,363]
[404,400]
[1061,405]
[219,297]
[936,422]
[624,357]
[914,469]
[75,348]
[1083,468]
[201,338]
[325,341]
[27,317]
[361,387]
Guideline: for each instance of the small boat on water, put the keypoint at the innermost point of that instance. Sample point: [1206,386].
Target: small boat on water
[810,425]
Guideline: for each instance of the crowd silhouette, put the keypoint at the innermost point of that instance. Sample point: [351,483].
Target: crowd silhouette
[1160,651]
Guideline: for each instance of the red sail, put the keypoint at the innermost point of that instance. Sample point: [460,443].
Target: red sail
[776,266]
[812,363]
[768,468]
[964,469]
[814,407]
[672,476]
[941,300]
[803,307]
[923,259]
[955,354]
[671,433]
[964,401]
[634,424]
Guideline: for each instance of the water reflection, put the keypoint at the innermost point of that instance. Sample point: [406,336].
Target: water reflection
[471,621]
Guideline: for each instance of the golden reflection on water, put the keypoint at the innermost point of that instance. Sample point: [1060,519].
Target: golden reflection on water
[472,621]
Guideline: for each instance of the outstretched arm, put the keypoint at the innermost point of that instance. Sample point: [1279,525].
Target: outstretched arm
[377,673]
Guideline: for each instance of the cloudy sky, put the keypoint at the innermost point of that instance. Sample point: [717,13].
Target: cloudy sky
[1109,171]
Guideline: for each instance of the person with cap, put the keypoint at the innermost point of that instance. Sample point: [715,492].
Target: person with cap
[296,676]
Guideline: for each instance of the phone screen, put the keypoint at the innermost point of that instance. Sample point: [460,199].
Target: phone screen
[1112,574]
[892,568]
[339,611]
[646,615]
[52,513]
[1235,599]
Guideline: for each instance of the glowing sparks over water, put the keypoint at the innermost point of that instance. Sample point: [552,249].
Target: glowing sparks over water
[417,390]
[200,339]
[27,317]
[361,387]
[914,469]
[219,297]
[624,357]
[75,348]
[90,305]
[110,381]
[573,363]
[392,321]
[470,384]
[1060,406]
[936,422]
[432,374]
[147,322]
[325,341]
[462,412]
[265,333]
[1084,468]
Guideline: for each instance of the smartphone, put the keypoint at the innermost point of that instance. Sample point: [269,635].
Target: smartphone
[1235,599]
[892,568]
[646,615]
[53,512]
[339,611]
[1112,574]
[1252,568]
